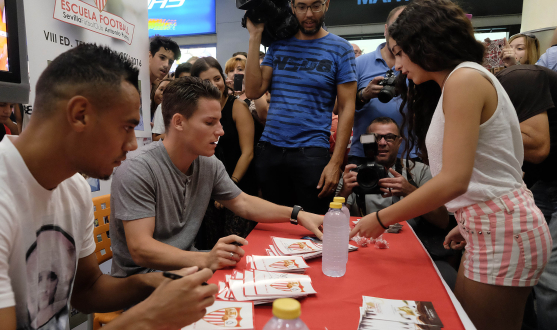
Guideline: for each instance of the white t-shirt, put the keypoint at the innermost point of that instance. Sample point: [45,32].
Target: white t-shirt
[158,122]
[43,233]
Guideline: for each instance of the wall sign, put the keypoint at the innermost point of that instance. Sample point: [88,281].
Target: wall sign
[349,12]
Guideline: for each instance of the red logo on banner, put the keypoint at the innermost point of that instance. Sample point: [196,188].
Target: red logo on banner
[224,317]
[101,4]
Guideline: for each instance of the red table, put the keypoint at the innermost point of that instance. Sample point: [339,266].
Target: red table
[404,271]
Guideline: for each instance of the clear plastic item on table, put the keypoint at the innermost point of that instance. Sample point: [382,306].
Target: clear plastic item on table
[381,243]
[336,232]
[286,316]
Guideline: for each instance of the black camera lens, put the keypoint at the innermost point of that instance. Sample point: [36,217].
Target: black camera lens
[386,94]
[367,178]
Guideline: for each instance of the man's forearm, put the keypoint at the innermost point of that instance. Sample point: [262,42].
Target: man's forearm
[123,293]
[253,77]
[344,129]
[161,256]
[257,209]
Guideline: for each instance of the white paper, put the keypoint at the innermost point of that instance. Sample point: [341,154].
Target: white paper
[225,315]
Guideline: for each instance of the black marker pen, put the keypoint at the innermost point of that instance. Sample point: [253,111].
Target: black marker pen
[173,276]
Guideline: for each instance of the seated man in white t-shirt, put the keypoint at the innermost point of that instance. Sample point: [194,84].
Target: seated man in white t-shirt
[86,107]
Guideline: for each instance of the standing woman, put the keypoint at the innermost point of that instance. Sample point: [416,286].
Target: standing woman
[234,149]
[464,123]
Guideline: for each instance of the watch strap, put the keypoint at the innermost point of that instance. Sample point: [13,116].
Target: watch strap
[294,216]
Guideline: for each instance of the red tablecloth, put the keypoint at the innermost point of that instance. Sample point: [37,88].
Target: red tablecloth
[404,271]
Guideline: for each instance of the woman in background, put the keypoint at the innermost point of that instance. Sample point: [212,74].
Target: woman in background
[464,124]
[235,150]
[522,48]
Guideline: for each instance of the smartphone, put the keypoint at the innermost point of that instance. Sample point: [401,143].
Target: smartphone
[238,82]
[492,59]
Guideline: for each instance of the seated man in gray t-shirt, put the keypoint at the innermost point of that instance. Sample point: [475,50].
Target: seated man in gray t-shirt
[160,194]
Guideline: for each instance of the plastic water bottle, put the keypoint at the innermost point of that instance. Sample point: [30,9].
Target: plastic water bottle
[286,313]
[345,210]
[335,241]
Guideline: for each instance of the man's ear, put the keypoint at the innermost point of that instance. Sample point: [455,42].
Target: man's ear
[150,56]
[79,113]
[178,121]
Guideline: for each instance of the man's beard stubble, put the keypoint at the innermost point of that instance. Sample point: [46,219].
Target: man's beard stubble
[314,31]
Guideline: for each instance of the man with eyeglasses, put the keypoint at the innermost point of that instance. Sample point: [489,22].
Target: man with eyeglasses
[305,74]
[371,68]
[431,228]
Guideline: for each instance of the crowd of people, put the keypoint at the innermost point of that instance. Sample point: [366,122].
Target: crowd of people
[469,160]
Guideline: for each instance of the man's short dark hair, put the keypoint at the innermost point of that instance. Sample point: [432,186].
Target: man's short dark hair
[156,42]
[393,12]
[89,70]
[240,53]
[385,120]
[182,96]
[184,67]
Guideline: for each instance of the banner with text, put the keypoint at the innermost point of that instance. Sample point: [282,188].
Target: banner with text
[54,26]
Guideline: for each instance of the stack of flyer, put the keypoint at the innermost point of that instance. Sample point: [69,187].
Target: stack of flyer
[263,287]
[284,264]
[379,313]
[305,248]
[226,314]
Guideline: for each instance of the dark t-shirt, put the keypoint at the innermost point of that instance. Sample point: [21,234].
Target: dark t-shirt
[533,90]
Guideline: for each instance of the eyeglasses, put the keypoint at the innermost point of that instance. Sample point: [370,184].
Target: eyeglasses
[315,7]
[389,138]
[529,35]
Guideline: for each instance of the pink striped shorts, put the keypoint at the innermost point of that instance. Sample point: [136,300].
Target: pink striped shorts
[508,241]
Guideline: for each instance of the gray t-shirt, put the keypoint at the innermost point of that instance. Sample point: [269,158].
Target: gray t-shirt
[147,185]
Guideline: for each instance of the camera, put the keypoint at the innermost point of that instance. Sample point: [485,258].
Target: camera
[280,22]
[388,91]
[371,172]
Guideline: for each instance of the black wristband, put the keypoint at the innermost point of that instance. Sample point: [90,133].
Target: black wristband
[379,220]
[294,216]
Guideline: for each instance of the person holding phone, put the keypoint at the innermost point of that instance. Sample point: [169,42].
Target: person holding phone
[467,128]
[234,149]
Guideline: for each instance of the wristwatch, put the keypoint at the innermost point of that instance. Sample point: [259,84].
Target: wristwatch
[294,215]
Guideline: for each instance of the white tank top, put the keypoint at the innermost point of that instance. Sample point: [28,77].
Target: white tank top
[499,155]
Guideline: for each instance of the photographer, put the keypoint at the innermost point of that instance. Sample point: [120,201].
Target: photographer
[371,69]
[430,228]
[307,72]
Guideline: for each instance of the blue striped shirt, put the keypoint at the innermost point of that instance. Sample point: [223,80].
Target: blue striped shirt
[304,89]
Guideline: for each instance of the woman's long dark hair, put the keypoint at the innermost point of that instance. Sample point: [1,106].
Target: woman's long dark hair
[437,36]
[203,64]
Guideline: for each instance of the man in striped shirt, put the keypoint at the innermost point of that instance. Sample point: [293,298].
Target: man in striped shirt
[305,74]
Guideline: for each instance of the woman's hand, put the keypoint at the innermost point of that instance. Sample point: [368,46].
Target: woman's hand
[508,55]
[368,227]
[454,240]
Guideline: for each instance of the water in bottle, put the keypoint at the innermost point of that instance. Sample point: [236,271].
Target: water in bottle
[345,210]
[335,241]
[286,316]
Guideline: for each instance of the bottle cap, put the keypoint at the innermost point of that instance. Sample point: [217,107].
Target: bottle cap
[339,200]
[334,205]
[287,308]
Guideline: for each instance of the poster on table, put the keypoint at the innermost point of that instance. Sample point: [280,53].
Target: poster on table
[55,26]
